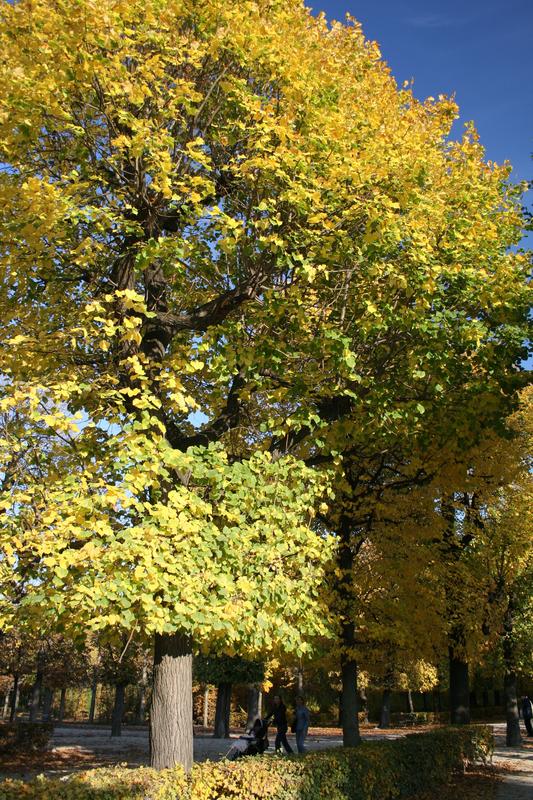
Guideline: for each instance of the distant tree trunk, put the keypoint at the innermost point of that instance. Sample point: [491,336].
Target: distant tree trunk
[48,699]
[410,706]
[300,679]
[253,705]
[363,703]
[36,688]
[62,703]
[222,712]
[497,698]
[425,701]
[14,698]
[118,710]
[485,698]
[206,707]
[459,690]
[513,737]
[141,699]
[384,717]
[349,705]
[260,704]
[171,730]
[5,709]
[94,689]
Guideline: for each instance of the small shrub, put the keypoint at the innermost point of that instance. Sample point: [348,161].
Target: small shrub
[24,736]
[379,770]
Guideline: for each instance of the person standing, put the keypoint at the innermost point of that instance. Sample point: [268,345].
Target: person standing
[527,714]
[279,716]
[301,723]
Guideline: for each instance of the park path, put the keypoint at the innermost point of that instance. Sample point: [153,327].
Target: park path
[518,763]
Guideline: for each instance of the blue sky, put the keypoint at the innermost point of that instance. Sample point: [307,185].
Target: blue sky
[480,50]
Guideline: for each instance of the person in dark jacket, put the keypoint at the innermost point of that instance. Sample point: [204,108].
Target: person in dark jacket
[278,715]
[301,723]
[527,713]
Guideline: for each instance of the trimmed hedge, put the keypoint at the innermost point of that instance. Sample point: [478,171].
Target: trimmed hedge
[380,770]
[24,736]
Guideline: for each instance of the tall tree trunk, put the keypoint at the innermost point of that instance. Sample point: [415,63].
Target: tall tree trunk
[118,710]
[141,698]
[36,688]
[410,706]
[384,717]
[300,679]
[171,731]
[62,703]
[5,708]
[94,689]
[363,703]
[15,698]
[485,698]
[513,737]
[349,706]
[206,707]
[222,712]
[48,699]
[253,705]
[459,690]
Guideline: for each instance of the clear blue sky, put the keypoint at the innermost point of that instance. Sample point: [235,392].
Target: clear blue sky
[479,50]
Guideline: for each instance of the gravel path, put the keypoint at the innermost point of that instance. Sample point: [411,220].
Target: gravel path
[518,782]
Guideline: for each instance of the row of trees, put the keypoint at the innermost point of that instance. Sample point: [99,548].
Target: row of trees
[262,331]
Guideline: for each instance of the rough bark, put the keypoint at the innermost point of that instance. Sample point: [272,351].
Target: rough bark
[171,731]
[118,710]
[14,698]
[62,703]
[459,690]
[384,716]
[92,707]
[222,712]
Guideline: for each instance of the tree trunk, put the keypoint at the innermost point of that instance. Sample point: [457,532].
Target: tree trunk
[425,701]
[14,698]
[36,689]
[485,697]
[384,717]
[171,731]
[253,705]
[141,699]
[349,705]
[410,706]
[513,737]
[300,679]
[222,712]
[62,703]
[206,707]
[459,690]
[118,710]
[48,699]
[363,703]
[5,708]
[92,707]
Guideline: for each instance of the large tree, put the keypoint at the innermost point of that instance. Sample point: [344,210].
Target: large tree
[226,208]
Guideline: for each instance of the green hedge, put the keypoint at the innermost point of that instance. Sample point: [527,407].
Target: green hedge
[24,736]
[380,770]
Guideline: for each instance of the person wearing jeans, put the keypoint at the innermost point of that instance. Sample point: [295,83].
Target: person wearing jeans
[301,723]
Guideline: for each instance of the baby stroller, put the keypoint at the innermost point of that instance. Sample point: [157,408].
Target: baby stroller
[252,743]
